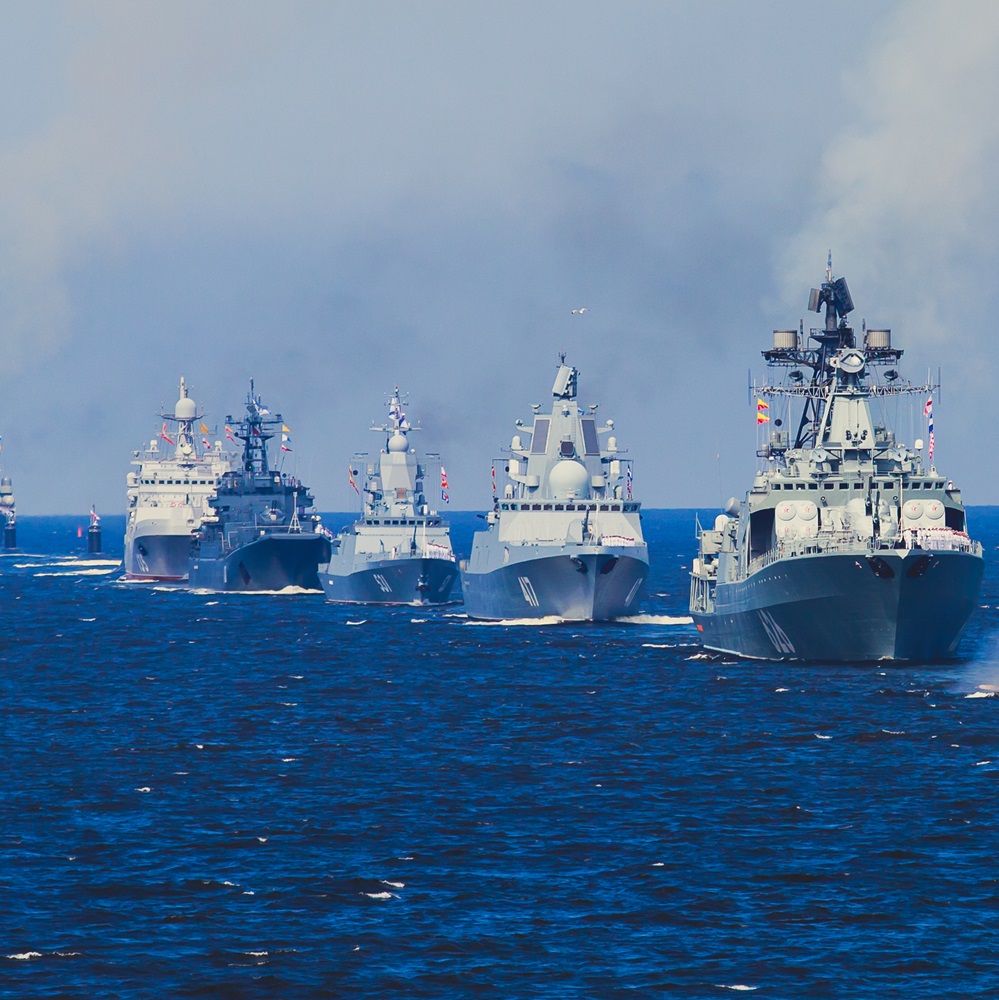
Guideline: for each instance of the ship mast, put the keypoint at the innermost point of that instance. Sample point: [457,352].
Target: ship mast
[821,359]
[255,430]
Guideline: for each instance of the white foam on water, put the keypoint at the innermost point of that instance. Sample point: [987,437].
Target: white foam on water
[781,690]
[87,562]
[455,614]
[289,704]
[86,619]
[256,954]
[657,645]
[981,694]
[288,760]
[363,621]
[893,732]
[549,620]
[144,788]
[25,956]
[979,763]
[417,621]
[819,736]
[79,572]
[395,885]
[737,986]
[658,864]
[655,620]
[380,895]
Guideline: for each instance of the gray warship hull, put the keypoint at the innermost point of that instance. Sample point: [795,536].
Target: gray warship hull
[908,604]
[274,561]
[157,557]
[391,581]
[588,583]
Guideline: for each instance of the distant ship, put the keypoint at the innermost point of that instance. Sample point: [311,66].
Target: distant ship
[8,512]
[261,533]
[167,495]
[847,547]
[399,551]
[565,539]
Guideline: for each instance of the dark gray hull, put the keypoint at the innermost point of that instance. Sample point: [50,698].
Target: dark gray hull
[584,586]
[393,581]
[897,605]
[272,562]
[157,557]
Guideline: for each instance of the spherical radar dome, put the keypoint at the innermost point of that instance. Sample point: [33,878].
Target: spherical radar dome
[398,442]
[569,479]
[186,409]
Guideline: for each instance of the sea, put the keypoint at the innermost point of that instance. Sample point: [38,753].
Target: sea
[269,796]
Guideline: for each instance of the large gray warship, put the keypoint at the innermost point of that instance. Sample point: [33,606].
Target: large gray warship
[262,533]
[399,550]
[848,547]
[565,538]
[167,495]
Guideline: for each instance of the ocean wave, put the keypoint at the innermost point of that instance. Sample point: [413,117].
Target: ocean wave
[655,620]
[78,572]
[549,620]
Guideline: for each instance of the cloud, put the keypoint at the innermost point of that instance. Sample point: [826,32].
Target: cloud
[906,198]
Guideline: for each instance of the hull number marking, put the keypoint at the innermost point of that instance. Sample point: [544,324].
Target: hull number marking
[527,588]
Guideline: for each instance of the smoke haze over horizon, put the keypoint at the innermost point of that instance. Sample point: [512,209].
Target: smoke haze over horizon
[337,198]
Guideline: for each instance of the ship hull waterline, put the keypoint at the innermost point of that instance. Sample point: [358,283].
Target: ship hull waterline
[582,585]
[271,562]
[416,581]
[908,605]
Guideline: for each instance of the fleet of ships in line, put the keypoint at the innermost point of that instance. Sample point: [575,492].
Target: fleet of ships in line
[846,548]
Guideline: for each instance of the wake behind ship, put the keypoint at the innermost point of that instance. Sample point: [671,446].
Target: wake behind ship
[167,496]
[262,532]
[399,551]
[565,540]
[848,547]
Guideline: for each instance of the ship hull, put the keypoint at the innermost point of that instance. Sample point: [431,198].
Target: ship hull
[271,562]
[586,584]
[157,556]
[892,605]
[391,581]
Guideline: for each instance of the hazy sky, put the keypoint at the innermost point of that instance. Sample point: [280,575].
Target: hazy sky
[335,198]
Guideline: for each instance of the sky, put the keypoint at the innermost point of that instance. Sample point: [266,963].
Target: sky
[335,198]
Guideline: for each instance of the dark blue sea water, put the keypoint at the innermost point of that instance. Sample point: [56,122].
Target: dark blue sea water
[269,796]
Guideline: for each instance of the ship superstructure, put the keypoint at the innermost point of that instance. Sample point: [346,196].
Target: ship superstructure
[167,494]
[564,538]
[262,531]
[849,546]
[399,550]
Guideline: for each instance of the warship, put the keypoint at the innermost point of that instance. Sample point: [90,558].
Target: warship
[848,547]
[8,511]
[399,550]
[167,495]
[565,539]
[262,532]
